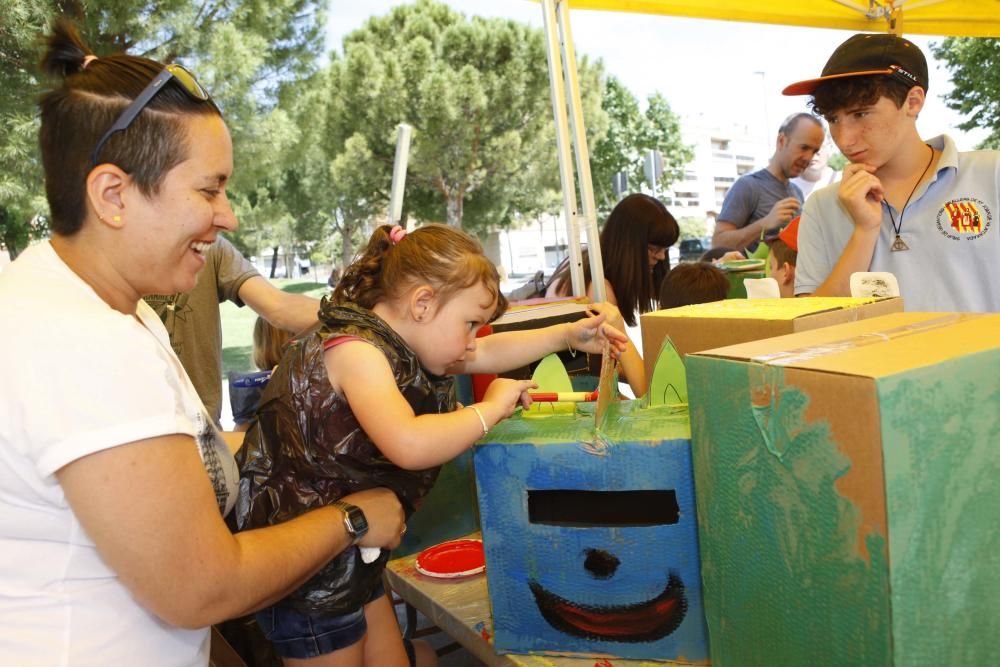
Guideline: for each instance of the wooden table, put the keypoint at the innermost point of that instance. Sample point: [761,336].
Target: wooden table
[460,607]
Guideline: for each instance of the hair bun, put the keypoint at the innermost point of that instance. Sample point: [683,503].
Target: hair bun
[66,52]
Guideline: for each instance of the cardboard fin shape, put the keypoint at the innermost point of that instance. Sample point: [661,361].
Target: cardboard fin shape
[668,383]
[551,375]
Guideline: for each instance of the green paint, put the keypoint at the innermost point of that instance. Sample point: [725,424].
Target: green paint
[783,581]
[628,421]
[942,469]
[668,386]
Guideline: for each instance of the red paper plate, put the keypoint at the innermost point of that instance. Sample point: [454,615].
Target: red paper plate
[458,558]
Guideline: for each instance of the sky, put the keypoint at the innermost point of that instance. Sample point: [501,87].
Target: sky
[720,70]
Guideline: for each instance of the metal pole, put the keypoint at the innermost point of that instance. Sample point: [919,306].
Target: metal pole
[552,51]
[588,212]
[403,134]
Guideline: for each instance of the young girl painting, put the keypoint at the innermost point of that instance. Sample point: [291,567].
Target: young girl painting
[367,400]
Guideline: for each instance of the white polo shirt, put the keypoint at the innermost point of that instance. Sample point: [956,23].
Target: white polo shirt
[950,226]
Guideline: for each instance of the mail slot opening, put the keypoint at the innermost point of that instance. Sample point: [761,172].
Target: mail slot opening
[602,508]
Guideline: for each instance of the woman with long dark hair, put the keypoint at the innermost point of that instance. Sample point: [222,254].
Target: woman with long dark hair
[634,245]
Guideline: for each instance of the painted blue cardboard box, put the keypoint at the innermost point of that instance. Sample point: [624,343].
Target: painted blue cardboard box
[590,533]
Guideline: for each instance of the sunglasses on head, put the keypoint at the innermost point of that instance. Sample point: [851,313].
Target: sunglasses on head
[183,77]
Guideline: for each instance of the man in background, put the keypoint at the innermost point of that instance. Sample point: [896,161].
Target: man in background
[762,202]
[195,326]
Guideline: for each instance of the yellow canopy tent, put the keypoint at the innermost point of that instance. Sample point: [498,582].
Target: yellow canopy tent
[969,18]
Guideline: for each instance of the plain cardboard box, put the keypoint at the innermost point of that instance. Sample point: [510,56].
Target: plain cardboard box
[707,325]
[848,493]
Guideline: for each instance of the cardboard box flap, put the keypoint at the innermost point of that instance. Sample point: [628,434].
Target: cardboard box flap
[536,311]
[877,347]
[765,309]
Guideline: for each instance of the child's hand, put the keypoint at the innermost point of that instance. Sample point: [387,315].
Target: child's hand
[505,394]
[589,334]
[386,520]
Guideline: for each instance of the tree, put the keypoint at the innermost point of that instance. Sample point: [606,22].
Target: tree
[475,91]
[22,206]
[630,135]
[244,52]
[974,64]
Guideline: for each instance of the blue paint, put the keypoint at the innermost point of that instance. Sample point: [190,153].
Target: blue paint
[529,455]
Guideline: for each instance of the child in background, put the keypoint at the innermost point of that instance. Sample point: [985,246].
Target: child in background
[693,282]
[366,400]
[268,344]
[781,258]
[245,388]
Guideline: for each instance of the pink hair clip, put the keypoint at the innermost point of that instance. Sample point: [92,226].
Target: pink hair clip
[87,60]
[396,234]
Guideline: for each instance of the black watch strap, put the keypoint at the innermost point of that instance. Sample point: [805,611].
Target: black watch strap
[354,520]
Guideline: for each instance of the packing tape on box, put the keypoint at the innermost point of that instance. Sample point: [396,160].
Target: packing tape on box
[766,376]
[789,357]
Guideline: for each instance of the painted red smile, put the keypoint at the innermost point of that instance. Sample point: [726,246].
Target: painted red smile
[639,622]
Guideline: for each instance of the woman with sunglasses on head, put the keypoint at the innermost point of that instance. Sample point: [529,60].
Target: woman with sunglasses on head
[634,244]
[113,479]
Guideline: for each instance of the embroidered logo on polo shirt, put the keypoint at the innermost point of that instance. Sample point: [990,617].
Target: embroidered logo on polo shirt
[964,219]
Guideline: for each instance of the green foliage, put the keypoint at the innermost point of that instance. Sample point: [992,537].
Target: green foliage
[630,135]
[22,206]
[244,51]
[974,64]
[692,227]
[314,149]
[476,93]
[837,161]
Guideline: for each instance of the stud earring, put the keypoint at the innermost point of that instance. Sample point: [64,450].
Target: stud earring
[116,218]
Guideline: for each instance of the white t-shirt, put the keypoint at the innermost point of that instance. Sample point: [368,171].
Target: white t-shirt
[80,377]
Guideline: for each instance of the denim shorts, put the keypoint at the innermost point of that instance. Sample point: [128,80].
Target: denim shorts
[301,636]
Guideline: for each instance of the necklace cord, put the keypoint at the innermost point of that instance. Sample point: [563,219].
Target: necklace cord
[902,211]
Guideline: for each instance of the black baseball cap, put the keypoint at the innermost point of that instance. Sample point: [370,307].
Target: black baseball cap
[870,54]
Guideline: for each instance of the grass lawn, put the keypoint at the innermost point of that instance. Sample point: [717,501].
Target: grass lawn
[237,325]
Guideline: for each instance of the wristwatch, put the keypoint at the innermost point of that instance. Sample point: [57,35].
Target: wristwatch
[354,520]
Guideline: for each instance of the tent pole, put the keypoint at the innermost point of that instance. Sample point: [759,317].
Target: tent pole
[403,134]
[588,211]
[556,84]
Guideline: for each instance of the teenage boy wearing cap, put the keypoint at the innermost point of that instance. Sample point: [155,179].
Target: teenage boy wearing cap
[918,209]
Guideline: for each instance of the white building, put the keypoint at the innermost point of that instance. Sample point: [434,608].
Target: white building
[722,153]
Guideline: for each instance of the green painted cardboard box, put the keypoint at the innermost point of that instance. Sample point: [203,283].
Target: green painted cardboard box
[848,493]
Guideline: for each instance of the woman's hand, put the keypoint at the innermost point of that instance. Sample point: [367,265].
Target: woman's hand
[385,516]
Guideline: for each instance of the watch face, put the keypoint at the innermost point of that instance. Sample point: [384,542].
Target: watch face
[354,520]
[359,524]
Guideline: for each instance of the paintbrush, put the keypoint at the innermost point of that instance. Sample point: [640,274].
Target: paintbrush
[562,396]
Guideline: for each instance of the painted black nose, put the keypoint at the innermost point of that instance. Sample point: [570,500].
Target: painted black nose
[601,564]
